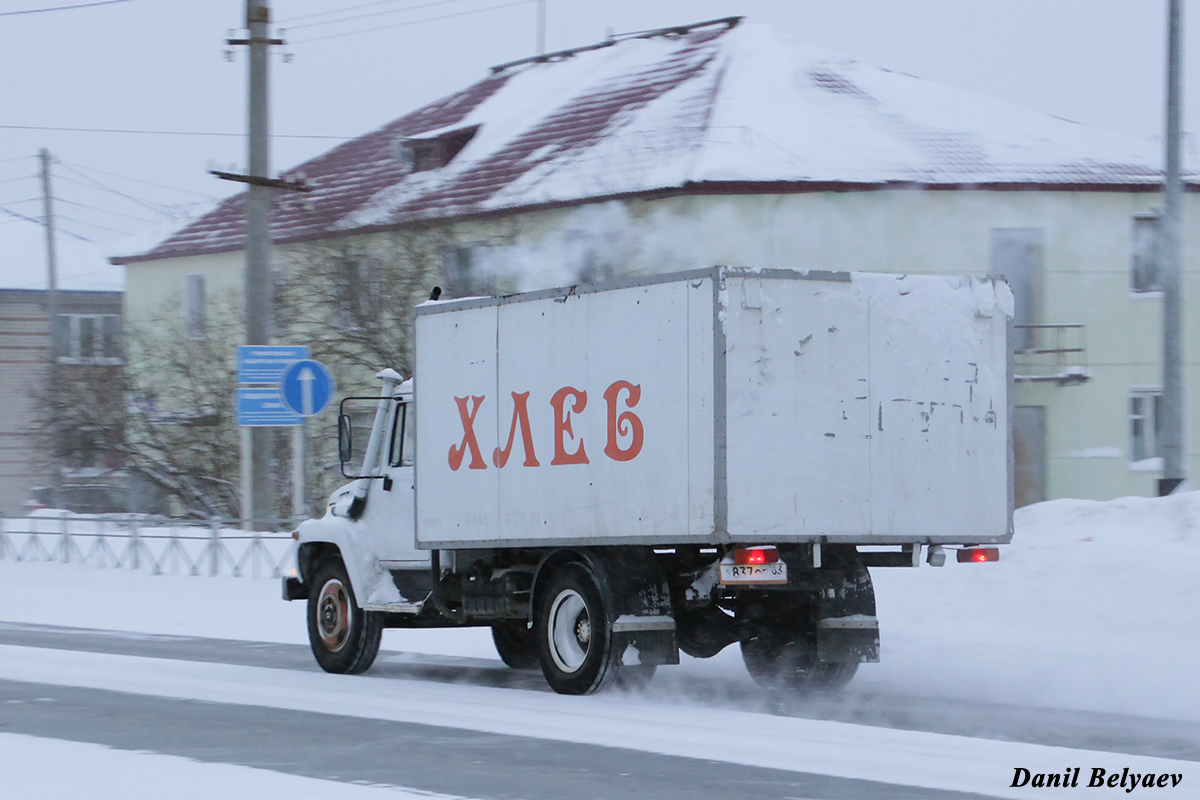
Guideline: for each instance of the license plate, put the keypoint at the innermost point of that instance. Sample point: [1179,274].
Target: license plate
[753,573]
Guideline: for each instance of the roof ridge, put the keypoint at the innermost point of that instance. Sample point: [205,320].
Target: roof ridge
[674,30]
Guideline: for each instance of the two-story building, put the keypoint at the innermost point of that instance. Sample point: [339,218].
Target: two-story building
[723,143]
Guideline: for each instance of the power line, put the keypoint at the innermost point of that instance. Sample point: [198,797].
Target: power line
[372,14]
[137,180]
[74,275]
[61,8]
[91,224]
[17,158]
[414,22]
[21,178]
[42,222]
[19,215]
[156,207]
[163,133]
[103,210]
[60,229]
[337,11]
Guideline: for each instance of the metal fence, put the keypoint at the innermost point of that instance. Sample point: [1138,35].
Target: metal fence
[164,547]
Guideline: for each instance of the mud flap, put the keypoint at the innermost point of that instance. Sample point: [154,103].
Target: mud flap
[847,629]
[844,640]
[648,641]
[293,589]
[643,631]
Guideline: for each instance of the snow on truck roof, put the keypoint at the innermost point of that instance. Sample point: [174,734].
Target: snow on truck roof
[719,107]
[981,296]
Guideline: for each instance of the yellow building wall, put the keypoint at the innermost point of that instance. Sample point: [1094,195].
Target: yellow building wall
[1087,240]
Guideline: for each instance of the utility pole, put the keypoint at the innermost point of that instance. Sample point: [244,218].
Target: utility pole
[51,256]
[258,242]
[52,284]
[257,442]
[1173,423]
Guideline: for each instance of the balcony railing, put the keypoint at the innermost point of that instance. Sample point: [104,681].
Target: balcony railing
[1050,354]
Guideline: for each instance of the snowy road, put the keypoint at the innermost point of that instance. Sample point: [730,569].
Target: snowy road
[1176,739]
[1077,649]
[503,735]
[446,760]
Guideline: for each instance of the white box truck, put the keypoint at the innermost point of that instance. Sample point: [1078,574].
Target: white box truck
[607,475]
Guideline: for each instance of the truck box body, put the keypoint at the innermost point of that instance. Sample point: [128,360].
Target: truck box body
[715,406]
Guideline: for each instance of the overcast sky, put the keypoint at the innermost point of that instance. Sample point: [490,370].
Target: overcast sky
[159,65]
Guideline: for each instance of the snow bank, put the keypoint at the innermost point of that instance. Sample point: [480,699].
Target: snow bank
[1094,606]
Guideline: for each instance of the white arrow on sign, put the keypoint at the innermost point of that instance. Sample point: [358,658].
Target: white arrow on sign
[306,378]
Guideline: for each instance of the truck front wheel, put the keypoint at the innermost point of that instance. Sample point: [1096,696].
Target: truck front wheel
[572,632]
[344,638]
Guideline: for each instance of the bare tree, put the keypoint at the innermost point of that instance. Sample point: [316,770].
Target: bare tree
[351,301]
[165,413]
[80,415]
[179,391]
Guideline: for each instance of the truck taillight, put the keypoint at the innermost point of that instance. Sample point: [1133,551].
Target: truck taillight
[978,554]
[755,555]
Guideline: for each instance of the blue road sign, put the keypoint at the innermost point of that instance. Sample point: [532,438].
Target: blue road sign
[266,363]
[264,408]
[306,387]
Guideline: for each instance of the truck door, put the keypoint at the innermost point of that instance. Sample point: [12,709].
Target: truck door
[389,513]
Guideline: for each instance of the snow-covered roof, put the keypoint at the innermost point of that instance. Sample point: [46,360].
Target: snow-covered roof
[717,108]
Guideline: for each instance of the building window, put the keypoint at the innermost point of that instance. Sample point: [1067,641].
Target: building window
[88,338]
[422,155]
[1144,273]
[1145,436]
[195,307]
[87,456]
[357,293]
[1017,255]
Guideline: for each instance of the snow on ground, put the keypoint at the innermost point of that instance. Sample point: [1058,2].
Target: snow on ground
[112,774]
[907,758]
[1094,606]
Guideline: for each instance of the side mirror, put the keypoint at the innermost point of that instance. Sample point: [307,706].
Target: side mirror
[345,450]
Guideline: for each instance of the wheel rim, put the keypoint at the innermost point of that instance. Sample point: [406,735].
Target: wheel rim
[570,631]
[333,615]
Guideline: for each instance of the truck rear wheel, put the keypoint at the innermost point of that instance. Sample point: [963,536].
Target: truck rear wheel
[344,638]
[515,643]
[572,632]
[777,660]
[779,645]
